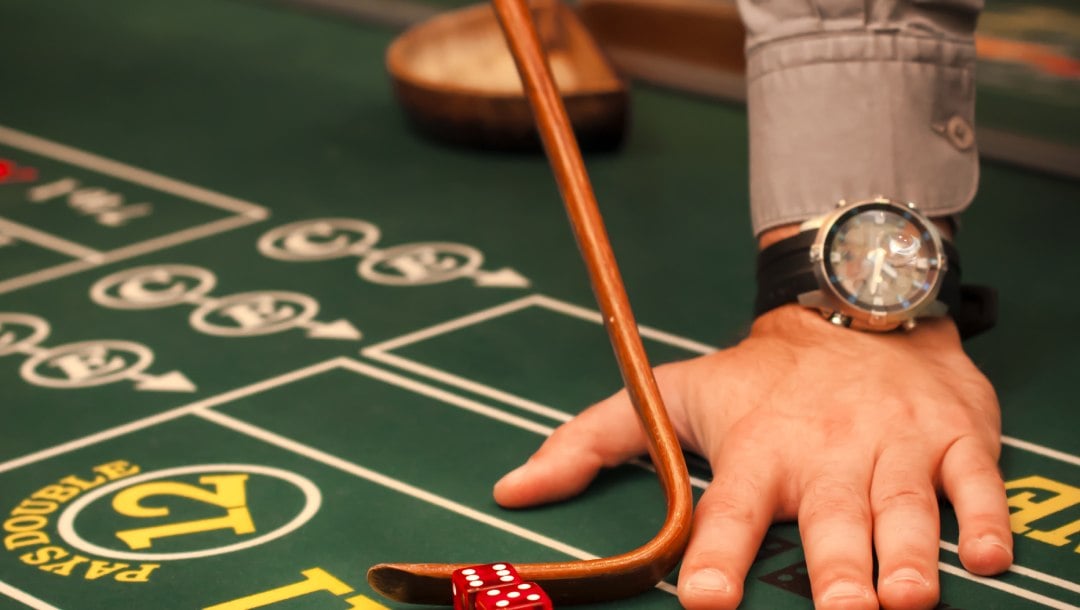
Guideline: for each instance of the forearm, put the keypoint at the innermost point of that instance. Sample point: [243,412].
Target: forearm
[850,99]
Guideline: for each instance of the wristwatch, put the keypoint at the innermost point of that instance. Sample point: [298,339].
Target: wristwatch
[875,265]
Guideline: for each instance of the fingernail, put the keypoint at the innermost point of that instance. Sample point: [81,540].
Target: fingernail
[992,540]
[845,589]
[907,575]
[709,580]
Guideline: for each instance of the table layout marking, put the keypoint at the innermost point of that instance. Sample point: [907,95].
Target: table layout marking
[83,363]
[1028,572]
[1054,454]
[204,410]
[171,414]
[24,597]
[381,351]
[245,314]
[245,212]
[1007,587]
[51,242]
[413,264]
[378,478]
[93,162]
[182,236]
[66,522]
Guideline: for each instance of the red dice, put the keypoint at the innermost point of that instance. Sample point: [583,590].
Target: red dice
[467,582]
[516,596]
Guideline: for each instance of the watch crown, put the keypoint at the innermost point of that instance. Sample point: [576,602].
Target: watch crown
[839,319]
[817,252]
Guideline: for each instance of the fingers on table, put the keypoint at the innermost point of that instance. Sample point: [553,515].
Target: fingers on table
[835,524]
[906,529]
[606,434]
[973,484]
[730,522]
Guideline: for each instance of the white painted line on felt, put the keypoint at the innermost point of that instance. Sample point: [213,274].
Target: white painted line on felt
[150,245]
[517,401]
[397,485]
[90,161]
[454,324]
[179,237]
[388,482]
[467,384]
[648,332]
[172,414]
[1028,572]
[444,396]
[24,597]
[44,275]
[1038,598]
[381,351]
[50,242]
[1061,456]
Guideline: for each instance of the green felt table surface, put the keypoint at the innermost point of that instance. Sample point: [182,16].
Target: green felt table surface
[369,423]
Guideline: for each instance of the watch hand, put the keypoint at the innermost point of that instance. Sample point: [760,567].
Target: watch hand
[875,275]
[890,271]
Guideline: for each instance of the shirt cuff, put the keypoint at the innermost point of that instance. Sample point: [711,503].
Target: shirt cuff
[852,115]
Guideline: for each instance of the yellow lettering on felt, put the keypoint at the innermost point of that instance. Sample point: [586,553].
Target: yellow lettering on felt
[42,555]
[117,470]
[1060,536]
[56,493]
[140,575]
[315,579]
[1065,496]
[229,493]
[21,539]
[30,506]
[81,484]
[64,568]
[100,568]
[25,523]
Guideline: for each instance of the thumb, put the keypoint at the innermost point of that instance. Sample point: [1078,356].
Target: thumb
[604,435]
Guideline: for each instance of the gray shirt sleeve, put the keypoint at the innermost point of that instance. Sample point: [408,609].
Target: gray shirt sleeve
[849,99]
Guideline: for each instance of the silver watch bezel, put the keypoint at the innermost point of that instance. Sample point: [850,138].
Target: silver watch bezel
[828,299]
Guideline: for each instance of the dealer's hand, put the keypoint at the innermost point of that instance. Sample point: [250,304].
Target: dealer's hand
[851,433]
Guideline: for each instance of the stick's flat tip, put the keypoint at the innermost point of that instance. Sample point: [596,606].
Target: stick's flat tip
[411,583]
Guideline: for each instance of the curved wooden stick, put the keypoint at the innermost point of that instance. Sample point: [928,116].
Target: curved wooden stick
[640,569]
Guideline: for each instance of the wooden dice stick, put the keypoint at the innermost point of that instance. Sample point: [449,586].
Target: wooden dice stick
[638,570]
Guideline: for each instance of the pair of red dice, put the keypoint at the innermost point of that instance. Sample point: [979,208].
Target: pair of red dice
[496,586]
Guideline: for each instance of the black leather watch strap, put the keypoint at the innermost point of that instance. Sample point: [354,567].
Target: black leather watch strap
[784,272]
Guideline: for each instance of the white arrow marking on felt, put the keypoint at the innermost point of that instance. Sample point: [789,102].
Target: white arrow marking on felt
[338,329]
[173,381]
[503,278]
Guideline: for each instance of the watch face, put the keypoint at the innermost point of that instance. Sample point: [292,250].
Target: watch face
[881,257]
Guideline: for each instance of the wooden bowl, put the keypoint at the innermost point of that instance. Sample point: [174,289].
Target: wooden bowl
[456,79]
